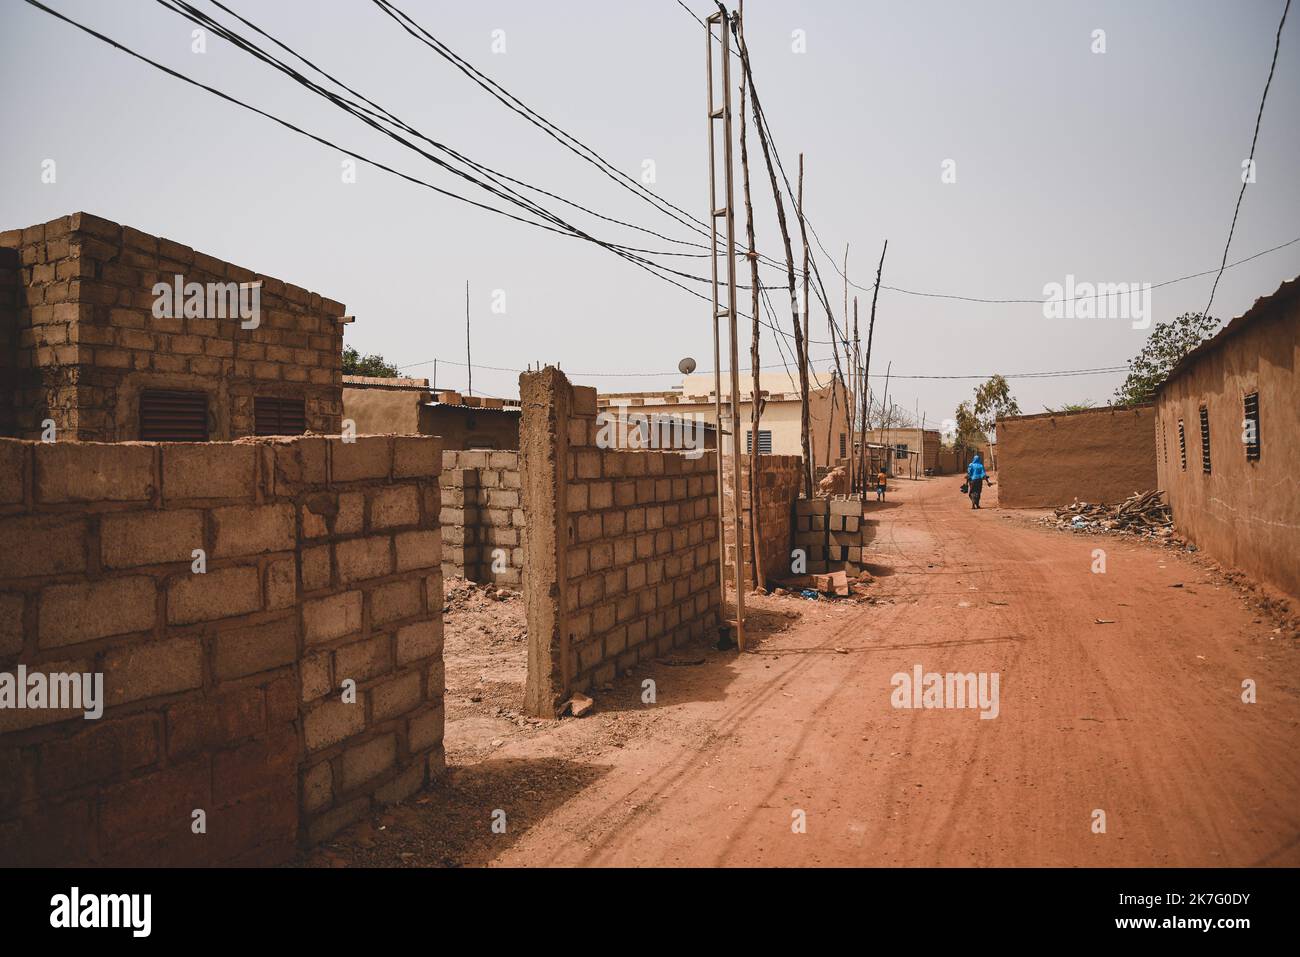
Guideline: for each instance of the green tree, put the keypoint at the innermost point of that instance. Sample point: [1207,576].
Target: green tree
[968,427]
[1073,406]
[1167,344]
[354,363]
[993,400]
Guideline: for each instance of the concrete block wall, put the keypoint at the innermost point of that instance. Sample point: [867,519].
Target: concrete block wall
[482,517]
[621,558]
[780,484]
[222,689]
[82,342]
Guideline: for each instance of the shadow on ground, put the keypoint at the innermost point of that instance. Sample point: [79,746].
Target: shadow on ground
[450,823]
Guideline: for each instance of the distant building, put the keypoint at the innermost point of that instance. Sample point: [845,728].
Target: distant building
[110,335]
[908,453]
[1227,421]
[379,406]
[779,430]
[1093,455]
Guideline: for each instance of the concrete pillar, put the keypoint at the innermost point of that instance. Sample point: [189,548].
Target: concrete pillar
[547,398]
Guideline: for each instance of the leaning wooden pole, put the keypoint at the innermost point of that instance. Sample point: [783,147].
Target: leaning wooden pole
[799,344]
[805,415]
[756,395]
[866,369]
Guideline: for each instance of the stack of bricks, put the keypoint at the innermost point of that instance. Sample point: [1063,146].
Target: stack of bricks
[84,339]
[482,517]
[780,484]
[226,592]
[831,532]
[622,550]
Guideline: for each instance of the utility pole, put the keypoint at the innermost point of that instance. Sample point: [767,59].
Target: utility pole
[727,214]
[756,394]
[469,364]
[810,466]
[866,369]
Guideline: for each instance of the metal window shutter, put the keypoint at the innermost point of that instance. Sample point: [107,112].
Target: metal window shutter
[172,416]
[1251,403]
[272,416]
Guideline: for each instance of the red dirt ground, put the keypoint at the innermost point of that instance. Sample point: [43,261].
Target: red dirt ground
[1140,717]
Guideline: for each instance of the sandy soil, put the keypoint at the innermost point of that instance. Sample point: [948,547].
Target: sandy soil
[1139,715]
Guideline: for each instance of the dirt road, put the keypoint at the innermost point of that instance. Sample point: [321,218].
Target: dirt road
[1139,717]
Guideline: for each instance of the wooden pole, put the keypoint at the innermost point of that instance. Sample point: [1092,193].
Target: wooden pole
[801,353]
[469,364]
[805,422]
[871,331]
[738,523]
[756,396]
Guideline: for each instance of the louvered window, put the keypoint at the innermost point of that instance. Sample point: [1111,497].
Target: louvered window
[1182,445]
[1205,440]
[764,442]
[168,415]
[1250,427]
[273,416]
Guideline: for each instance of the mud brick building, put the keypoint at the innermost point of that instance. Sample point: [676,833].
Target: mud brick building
[1095,455]
[1227,418]
[86,343]
[400,406]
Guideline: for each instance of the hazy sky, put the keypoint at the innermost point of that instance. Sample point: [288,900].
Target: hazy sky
[1114,167]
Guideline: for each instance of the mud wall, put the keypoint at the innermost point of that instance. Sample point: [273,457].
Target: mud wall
[1245,513]
[621,559]
[223,679]
[1099,455]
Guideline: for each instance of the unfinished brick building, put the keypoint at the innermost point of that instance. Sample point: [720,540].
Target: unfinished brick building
[93,340]
[226,687]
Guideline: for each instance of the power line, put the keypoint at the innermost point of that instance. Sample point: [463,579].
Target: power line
[1108,370]
[655,269]
[1250,166]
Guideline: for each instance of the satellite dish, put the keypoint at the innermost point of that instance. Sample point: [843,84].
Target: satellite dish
[686,366]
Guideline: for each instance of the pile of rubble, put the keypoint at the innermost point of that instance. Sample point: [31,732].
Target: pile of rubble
[1142,513]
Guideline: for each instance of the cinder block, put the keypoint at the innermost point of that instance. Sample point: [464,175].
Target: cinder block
[325,619]
[400,599]
[396,697]
[85,611]
[90,472]
[361,558]
[331,722]
[369,457]
[199,470]
[302,460]
[417,456]
[317,787]
[249,649]
[253,530]
[416,550]
[369,760]
[146,669]
[425,730]
[420,640]
[362,660]
[220,593]
[41,545]
[395,505]
[813,506]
